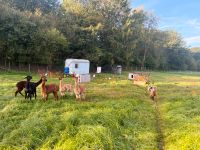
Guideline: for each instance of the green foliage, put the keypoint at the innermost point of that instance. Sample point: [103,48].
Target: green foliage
[106,32]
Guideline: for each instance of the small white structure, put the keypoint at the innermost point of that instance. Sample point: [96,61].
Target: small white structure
[131,76]
[77,66]
[98,69]
[119,69]
[84,78]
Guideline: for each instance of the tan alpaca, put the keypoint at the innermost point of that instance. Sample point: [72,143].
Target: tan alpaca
[79,90]
[152,92]
[63,88]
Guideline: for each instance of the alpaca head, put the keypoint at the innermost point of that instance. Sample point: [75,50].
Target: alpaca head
[150,88]
[28,78]
[44,79]
[75,77]
[60,77]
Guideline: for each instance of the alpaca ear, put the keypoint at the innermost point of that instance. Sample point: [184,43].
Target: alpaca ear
[28,77]
[61,75]
[41,74]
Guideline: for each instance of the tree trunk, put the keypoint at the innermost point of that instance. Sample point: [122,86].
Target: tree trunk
[9,65]
[5,63]
[144,57]
[29,68]
[19,67]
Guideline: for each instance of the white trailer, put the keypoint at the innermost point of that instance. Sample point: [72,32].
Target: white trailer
[77,66]
[80,67]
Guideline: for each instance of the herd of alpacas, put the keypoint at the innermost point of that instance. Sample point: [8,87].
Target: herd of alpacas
[46,89]
[78,89]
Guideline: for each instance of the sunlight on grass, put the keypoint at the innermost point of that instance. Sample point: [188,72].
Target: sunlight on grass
[115,115]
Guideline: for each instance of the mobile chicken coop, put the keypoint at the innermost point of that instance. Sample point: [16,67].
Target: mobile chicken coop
[80,67]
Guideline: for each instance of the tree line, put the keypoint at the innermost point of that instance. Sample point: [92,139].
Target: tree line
[107,32]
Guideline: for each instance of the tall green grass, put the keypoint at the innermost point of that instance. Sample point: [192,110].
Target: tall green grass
[179,105]
[115,115]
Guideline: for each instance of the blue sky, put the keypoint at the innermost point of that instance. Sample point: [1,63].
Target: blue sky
[182,16]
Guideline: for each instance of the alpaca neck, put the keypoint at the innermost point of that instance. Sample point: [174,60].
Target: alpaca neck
[77,86]
[61,84]
[76,83]
[38,83]
[43,87]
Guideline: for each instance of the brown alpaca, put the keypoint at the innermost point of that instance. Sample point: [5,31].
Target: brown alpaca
[63,88]
[47,89]
[79,90]
[22,84]
[152,92]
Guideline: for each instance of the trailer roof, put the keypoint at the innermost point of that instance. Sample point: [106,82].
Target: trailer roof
[77,61]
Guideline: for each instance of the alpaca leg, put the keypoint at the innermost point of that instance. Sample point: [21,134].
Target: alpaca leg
[25,94]
[30,96]
[83,96]
[152,97]
[76,96]
[55,95]
[19,91]
[62,93]
[16,93]
[35,93]
[79,96]
[46,97]
[43,95]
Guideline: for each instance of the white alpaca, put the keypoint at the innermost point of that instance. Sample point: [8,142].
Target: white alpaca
[79,90]
[152,92]
[63,88]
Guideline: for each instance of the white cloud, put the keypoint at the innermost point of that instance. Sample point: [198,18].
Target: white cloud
[194,23]
[191,40]
[171,23]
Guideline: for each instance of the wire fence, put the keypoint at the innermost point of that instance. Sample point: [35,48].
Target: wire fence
[33,68]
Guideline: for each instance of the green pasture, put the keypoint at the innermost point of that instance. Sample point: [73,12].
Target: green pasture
[115,115]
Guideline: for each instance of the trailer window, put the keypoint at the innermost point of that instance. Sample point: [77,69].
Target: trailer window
[76,65]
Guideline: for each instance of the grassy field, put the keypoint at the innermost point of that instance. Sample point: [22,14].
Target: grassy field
[115,115]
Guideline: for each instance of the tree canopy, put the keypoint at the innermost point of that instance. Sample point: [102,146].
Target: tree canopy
[107,32]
